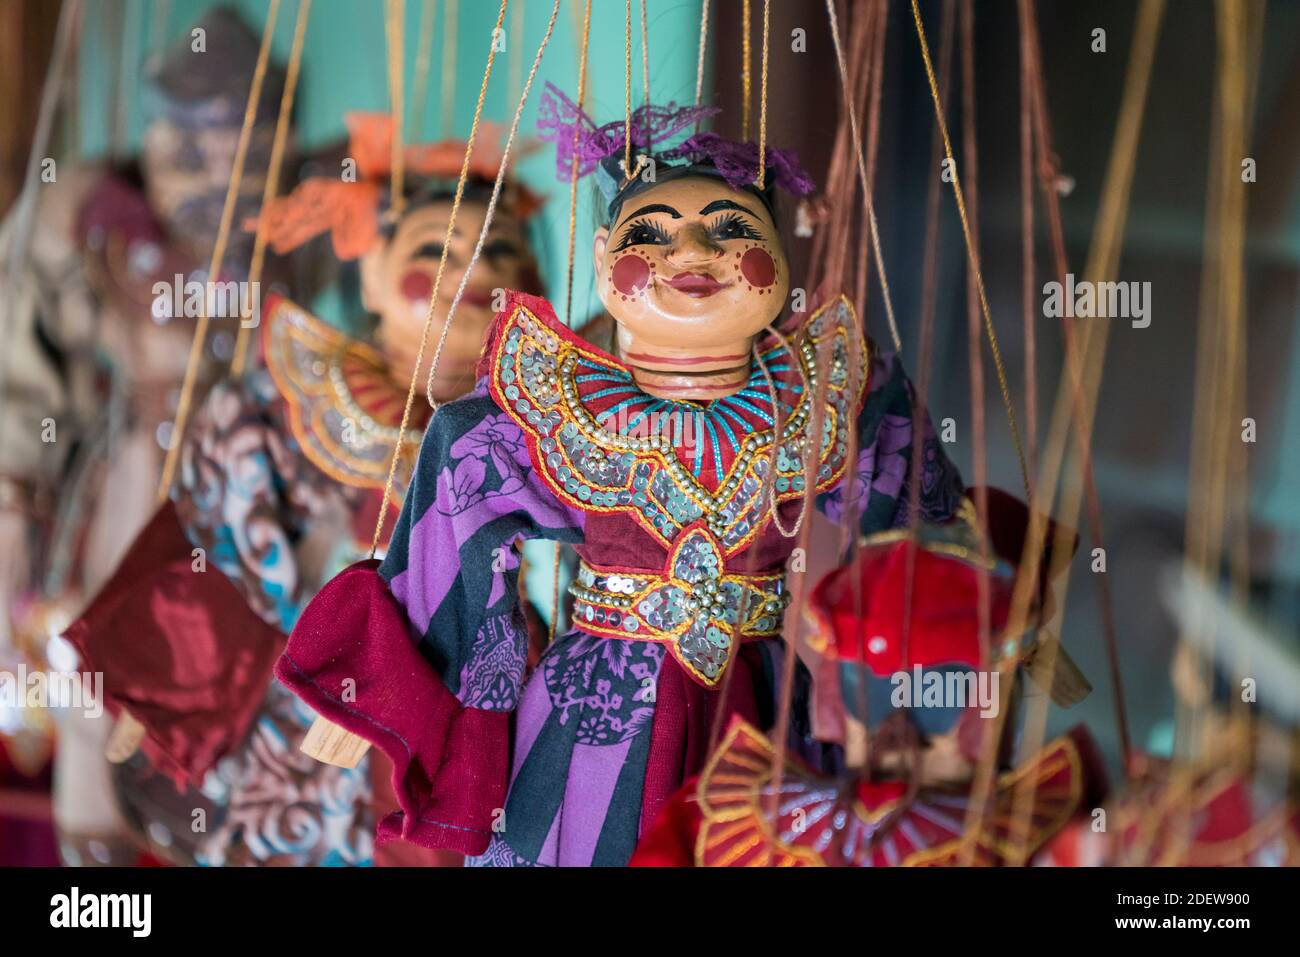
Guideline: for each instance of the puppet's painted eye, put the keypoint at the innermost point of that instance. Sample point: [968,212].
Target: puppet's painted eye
[499,249]
[642,233]
[733,226]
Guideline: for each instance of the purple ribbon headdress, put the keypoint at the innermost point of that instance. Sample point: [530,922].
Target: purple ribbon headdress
[578,140]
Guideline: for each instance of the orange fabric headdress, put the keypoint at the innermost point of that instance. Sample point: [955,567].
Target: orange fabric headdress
[350,210]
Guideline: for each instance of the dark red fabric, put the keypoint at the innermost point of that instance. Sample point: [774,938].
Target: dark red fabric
[180,649]
[26,817]
[384,801]
[943,624]
[1009,527]
[352,658]
[683,723]
[670,841]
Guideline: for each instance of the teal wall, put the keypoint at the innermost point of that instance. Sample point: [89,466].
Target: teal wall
[345,67]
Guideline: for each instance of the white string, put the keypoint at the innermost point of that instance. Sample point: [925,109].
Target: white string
[776,433]
[492,205]
[862,177]
[699,66]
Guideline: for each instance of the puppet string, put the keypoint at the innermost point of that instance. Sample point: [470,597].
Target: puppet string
[810,457]
[423,54]
[1028,267]
[645,54]
[218,257]
[762,102]
[979,433]
[766,494]
[450,24]
[1102,261]
[495,197]
[971,251]
[568,288]
[874,91]
[777,433]
[1048,178]
[272,179]
[24,207]
[433,297]
[862,175]
[745,29]
[929,270]
[395,23]
[1220,356]
[699,63]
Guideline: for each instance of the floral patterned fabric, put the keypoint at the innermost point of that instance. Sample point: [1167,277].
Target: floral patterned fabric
[587,722]
[248,496]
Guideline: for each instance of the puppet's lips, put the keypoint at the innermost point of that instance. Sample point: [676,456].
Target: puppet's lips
[695,284]
[477,297]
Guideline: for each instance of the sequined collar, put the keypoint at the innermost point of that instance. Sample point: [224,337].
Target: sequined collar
[345,409]
[824,822]
[602,444]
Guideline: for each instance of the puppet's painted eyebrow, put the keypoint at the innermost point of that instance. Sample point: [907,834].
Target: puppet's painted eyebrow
[653,208]
[721,204]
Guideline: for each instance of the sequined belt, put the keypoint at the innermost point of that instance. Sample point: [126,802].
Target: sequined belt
[695,608]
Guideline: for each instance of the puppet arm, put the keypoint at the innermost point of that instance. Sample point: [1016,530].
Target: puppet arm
[186,630]
[887,429]
[423,654]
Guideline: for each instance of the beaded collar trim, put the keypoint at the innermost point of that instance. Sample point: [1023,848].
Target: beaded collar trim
[822,823]
[558,389]
[344,409]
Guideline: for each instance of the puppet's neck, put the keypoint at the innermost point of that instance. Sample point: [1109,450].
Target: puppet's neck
[669,371]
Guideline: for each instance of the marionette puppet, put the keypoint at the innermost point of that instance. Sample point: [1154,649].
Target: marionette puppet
[92,370]
[682,541]
[1229,796]
[911,689]
[281,478]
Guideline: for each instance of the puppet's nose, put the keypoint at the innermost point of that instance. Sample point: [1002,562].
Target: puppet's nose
[693,246]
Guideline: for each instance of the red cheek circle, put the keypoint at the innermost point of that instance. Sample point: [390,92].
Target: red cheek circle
[758,268]
[416,285]
[630,275]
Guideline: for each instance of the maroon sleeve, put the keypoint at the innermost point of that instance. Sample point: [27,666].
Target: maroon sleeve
[352,658]
[177,646]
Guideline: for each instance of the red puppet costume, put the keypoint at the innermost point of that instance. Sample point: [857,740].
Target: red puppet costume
[910,679]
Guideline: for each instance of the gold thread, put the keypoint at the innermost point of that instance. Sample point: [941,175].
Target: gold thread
[243,337]
[218,257]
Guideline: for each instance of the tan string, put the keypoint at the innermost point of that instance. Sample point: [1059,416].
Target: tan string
[218,257]
[515,76]
[243,337]
[744,71]
[762,104]
[1048,179]
[568,288]
[433,297]
[450,26]
[862,176]
[423,54]
[797,362]
[1102,260]
[645,54]
[627,95]
[971,252]
[699,63]
[491,206]
[1028,268]
[394,21]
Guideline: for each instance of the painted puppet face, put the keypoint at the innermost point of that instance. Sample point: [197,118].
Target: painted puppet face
[691,271]
[186,174]
[398,278]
